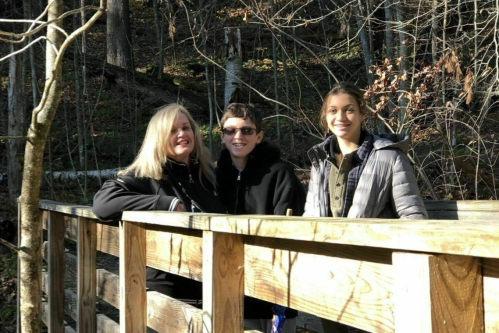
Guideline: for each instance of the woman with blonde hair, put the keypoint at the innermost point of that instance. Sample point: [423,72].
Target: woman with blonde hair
[173,171]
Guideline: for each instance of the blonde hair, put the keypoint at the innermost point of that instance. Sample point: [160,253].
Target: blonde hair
[153,154]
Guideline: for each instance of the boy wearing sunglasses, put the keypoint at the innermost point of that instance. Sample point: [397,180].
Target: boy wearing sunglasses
[252,179]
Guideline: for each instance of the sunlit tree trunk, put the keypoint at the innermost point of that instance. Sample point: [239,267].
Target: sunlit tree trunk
[31,226]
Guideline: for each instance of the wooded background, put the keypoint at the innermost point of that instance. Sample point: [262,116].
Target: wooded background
[429,68]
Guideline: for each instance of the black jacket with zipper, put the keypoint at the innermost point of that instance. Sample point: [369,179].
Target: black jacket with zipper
[266,186]
[131,193]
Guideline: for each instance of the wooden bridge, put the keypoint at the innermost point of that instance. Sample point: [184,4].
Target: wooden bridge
[440,275]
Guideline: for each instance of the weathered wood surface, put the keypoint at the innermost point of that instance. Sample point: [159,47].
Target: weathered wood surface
[55,283]
[70,262]
[177,251]
[172,219]
[354,292]
[461,215]
[86,278]
[44,316]
[66,208]
[133,301]
[223,282]
[164,314]
[106,325]
[490,271]
[473,238]
[463,205]
[438,293]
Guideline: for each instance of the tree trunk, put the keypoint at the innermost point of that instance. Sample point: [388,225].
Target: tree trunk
[434,31]
[158,25]
[276,84]
[233,65]
[403,63]
[31,226]
[16,124]
[389,31]
[364,41]
[119,36]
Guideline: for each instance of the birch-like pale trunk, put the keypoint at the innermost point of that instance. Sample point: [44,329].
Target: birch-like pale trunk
[31,226]
[30,242]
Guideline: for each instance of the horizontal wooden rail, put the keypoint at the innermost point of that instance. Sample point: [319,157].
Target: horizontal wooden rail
[375,274]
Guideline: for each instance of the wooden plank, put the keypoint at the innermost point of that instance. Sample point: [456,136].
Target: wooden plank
[164,314]
[461,215]
[44,318]
[133,302]
[354,292]
[108,287]
[66,208]
[106,325]
[490,272]
[463,205]
[171,219]
[70,303]
[55,294]
[177,253]
[70,262]
[473,238]
[86,278]
[167,314]
[108,239]
[223,282]
[437,293]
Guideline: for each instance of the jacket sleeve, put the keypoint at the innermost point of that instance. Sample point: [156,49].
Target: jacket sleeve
[310,203]
[407,201]
[289,193]
[118,195]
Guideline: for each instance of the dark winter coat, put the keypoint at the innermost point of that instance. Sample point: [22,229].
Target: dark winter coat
[131,193]
[386,188]
[177,185]
[266,186]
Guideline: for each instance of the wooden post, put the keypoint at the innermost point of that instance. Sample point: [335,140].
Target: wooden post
[223,283]
[56,231]
[437,293]
[86,277]
[133,303]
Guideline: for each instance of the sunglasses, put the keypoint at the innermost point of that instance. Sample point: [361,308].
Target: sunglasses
[244,130]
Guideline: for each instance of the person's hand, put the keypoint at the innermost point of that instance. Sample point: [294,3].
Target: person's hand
[180,207]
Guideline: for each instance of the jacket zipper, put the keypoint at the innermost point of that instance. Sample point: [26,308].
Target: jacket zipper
[190,179]
[237,192]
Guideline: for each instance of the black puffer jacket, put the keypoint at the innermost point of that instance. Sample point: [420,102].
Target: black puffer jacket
[177,184]
[266,186]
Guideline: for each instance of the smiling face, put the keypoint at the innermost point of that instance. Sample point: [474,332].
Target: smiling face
[239,145]
[181,139]
[343,117]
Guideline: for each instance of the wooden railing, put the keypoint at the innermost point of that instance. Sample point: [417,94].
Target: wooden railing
[377,275]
